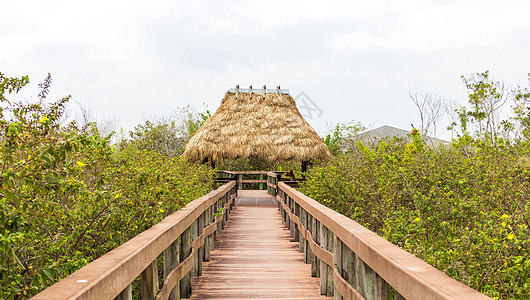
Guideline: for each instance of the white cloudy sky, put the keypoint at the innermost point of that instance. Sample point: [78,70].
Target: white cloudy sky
[357,60]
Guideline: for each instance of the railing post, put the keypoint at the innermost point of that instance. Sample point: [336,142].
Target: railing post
[291,223]
[185,282]
[213,210]
[208,240]
[296,229]
[149,281]
[348,266]
[226,198]
[201,255]
[285,199]
[126,294]
[303,216]
[309,253]
[337,260]
[269,179]
[194,234]
[213,236]
[323,267]
[330,237]
[282,211]
[381,288]
[240,186]
[315,270]
[171,260]
[219,206]
[365,279]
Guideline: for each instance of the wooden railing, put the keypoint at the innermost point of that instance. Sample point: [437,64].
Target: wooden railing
[244,179]
[354,262]
[184,239]
[257,180]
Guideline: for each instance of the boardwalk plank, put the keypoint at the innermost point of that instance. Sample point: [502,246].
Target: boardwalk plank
[254,258]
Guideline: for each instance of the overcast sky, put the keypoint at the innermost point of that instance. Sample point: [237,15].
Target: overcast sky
[356,60]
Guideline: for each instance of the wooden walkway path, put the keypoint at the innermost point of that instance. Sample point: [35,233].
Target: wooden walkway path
[254,257]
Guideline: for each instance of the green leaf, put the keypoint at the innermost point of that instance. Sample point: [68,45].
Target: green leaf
[48,274]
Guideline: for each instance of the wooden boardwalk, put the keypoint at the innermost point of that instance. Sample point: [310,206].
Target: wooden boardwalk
[254,257]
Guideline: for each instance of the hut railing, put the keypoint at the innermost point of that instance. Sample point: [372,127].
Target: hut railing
[245,180]
[184,239]
[261,180]
[354,262]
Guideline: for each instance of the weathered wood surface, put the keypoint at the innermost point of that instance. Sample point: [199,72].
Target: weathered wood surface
[254,257]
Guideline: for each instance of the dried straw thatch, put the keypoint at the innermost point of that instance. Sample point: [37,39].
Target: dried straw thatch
[270,129]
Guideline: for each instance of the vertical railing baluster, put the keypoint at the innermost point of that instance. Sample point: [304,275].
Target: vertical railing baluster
[348,265]
[323,266]
[126,294]
[267,184]
[285,198]
[218,208]
[359,284]
[369,281]
[282,211]
[213,210]
[226,211]
[296,229]
[201,221]
[381,288]
[330,247]
[194,234]
[291,223]
[233,205]
[287,218]
[149,281]
[310,255]
[301,245]
[208,242]
[185,282]
[171,260]
[315,266]
[365,279]
[397,296]
[337,260]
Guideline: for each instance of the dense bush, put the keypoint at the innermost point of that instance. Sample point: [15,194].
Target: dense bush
[463,209]
[169,135]
[68,196]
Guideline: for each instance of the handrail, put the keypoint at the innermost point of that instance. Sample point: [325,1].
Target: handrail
[111,275]
[360,263]
[243,172]
[244,179]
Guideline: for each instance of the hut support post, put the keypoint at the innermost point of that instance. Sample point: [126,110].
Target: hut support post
[304,167]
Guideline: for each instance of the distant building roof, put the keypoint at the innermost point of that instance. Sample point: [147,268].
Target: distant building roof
[374,136]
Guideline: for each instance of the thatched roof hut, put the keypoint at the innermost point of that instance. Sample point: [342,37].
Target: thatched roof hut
[267,128]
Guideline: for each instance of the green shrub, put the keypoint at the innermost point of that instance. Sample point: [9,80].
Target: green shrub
[68,196]
[466,212]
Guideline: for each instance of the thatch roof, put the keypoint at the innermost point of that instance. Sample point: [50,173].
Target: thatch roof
[270,129]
